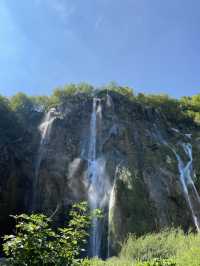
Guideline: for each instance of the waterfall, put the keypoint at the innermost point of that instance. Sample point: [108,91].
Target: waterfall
[45,126]
[189,189]
[185,174]
[110,213]
[45,131]
[112,200]
[109,102]
[99,187]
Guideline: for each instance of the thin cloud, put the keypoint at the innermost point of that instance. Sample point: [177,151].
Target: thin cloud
[62,8]
[98,23]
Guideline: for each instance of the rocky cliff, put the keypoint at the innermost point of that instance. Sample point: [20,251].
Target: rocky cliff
[146,165]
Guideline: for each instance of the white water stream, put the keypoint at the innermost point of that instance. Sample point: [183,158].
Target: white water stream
[99,186]
[45,131]
[189,188]
[185,175]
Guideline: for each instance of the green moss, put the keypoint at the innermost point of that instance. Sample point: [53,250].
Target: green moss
[133,211]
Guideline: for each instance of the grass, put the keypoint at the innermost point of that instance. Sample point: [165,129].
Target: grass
[167,248]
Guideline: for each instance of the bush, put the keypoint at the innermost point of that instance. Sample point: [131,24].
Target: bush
[161,245]
[10,128]
[111,262]
[124,262]
[125,91]
[36,243]
[167,248]
[157,262]
[62,94]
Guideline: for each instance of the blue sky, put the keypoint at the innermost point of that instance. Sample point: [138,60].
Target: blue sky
[152,46]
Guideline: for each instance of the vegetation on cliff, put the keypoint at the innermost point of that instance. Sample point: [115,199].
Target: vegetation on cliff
[21,115]
[10,128]
[187,109]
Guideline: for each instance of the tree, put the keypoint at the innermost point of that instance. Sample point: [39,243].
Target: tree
[125,91]
[21,102]
[36,243]
[41,103]
[28,109]
[62,94]
[9,126]
[4,103]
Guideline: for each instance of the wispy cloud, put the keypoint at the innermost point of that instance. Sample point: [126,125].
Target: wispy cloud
[64,9]
[98,23]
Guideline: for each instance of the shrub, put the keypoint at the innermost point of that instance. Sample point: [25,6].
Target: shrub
[161,245]
[157,262]
[36,243]
[111,262]
[124,262]
[62,94]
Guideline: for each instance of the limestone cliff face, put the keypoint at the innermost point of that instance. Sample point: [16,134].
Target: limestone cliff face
[16,168]
[137,145]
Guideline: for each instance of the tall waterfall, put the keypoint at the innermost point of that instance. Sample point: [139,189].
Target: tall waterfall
[45,130]
[99,186]
[189,188]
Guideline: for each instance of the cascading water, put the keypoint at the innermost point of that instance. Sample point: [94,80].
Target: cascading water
[185,171]
[45,126]
[99,187]
[109,102]
[189,188]
[110,214]
[111,206]
[45,130]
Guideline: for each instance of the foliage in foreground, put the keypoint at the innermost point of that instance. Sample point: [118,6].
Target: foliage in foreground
[36,243]
[123,262]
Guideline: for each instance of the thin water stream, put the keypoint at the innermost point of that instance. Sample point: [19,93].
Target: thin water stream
[189,189]
[45,131]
